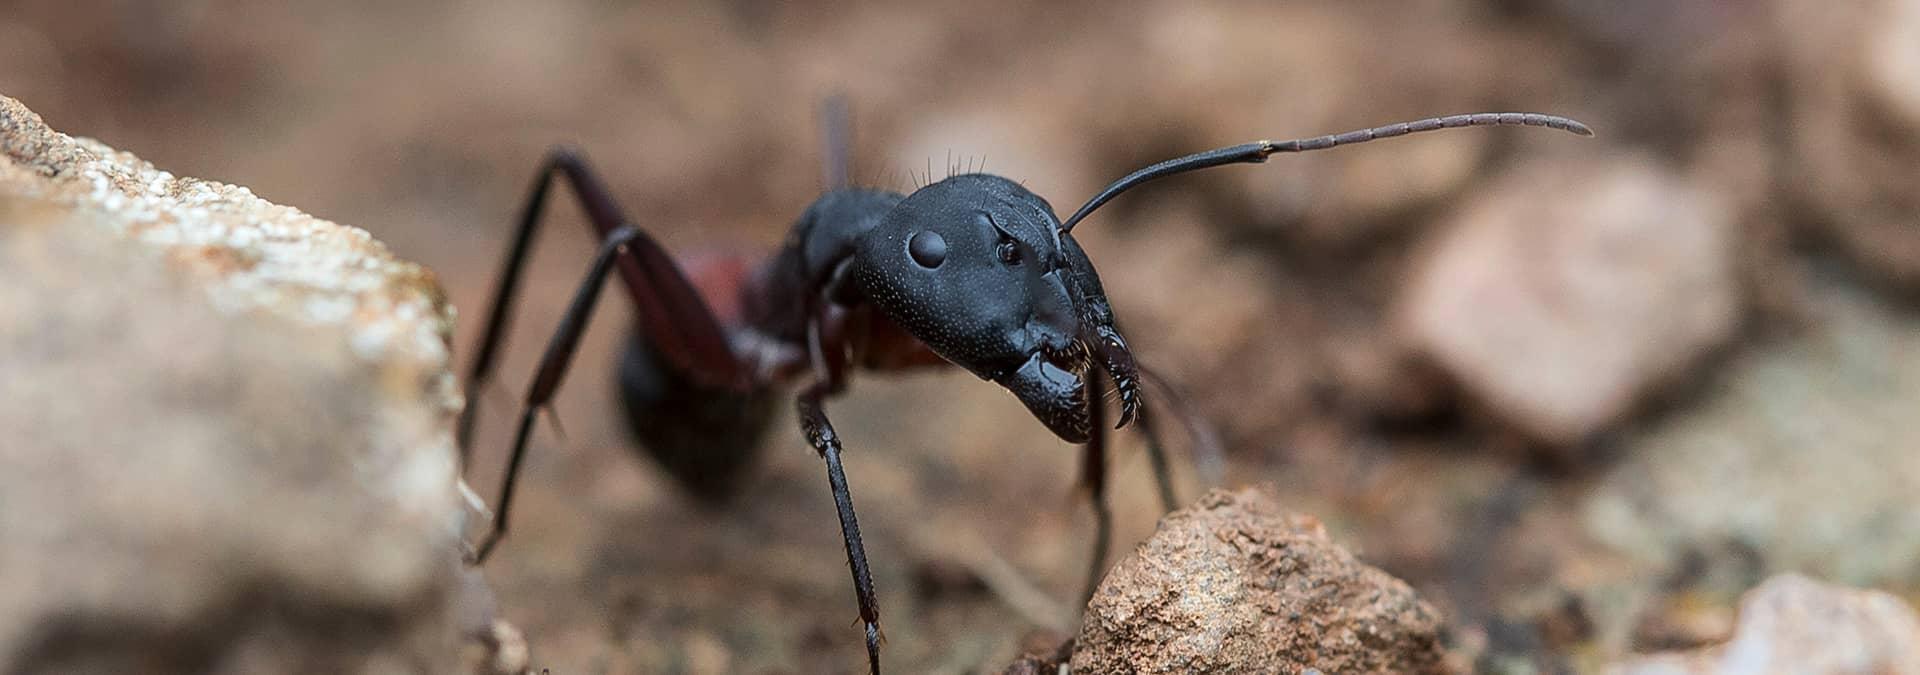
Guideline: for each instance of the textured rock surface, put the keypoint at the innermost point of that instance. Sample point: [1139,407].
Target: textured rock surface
[1561,314]
[227,421]
[1234,584]
[1792,624]
[251,254]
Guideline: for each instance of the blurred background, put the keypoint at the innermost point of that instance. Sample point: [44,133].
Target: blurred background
[1580,393]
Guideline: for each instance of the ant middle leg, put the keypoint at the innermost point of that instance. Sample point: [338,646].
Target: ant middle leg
[1157,456]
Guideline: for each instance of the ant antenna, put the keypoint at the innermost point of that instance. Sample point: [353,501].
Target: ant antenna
[1257,151]
[836,133]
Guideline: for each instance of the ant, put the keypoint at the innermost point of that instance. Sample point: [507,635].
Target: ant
[973,270]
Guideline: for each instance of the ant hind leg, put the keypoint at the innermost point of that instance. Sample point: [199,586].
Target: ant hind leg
[671,313]
[553,368]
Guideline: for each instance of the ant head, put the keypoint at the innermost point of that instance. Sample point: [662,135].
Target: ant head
[982,271]
[978,268]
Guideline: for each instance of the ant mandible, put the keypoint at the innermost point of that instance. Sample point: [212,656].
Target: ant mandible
[972,270]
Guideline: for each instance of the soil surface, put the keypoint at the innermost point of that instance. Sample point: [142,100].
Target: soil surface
[1680,419]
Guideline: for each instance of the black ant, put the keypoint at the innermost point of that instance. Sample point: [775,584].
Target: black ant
[972,270]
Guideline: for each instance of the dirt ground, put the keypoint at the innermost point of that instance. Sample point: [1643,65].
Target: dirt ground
[1270,294]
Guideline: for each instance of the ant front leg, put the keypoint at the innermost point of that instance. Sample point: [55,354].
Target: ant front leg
[820,434]
[830,367]
[1093,477]
[1127,375]
[1157,456]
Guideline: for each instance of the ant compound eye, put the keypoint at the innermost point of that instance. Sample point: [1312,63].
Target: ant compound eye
[1008,251]
[928,248]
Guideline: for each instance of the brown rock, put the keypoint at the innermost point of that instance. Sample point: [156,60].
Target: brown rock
[1799,458]
[1234,584]
[1792,624]
[1045,659]
[228,442]
[1560,314]
[1854,99]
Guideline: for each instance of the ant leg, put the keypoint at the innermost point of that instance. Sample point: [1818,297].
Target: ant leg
[836,142]
[1157,456]
[1126,373]
[819,432]
[1208,453]
[1093,477]
[671,312]
[830,367]
[553,367]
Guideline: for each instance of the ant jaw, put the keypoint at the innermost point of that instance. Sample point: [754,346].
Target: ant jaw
[1056,394]
[1052,384]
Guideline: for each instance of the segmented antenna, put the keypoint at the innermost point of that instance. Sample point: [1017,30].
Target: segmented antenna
[836,135]
[1257,151]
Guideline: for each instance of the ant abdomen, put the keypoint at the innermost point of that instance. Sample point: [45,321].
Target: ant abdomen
[707,439]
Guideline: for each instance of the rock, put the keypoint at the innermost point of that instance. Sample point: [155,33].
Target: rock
[228,430]
[1792,624]
[1799,459]
[1854,100]
[1235,584]
[1041,659]
[1795,455]
[1892,60]
[1560,314]
[504,651]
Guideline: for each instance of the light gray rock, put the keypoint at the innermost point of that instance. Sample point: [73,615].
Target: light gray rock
[1792,624]
[227,424]
[1560,314]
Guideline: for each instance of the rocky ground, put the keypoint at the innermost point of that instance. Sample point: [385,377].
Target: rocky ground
[1581,395]
[228,446]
